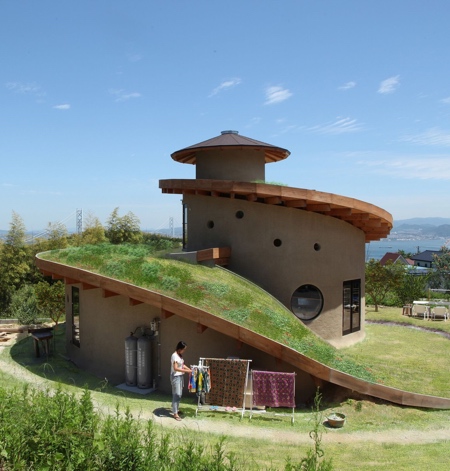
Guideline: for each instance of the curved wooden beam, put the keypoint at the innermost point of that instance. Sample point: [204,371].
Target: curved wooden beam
[376,223]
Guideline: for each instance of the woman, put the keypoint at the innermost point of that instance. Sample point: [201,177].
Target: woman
[177,370]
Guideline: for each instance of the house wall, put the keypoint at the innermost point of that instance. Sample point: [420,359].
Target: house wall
[231,164]
[338,257]
[106,322]
[104,325]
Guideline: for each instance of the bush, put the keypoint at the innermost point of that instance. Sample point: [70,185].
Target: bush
[24,306]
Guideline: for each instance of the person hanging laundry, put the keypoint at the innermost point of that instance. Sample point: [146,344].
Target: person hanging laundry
[177,371]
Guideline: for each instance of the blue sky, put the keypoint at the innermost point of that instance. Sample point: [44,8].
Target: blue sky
[96,95]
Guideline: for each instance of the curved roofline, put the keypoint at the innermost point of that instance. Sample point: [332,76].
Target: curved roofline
[230,139]
[375,222]
[170,306]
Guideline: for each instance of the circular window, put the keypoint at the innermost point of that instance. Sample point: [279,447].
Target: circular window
[317,247]
[239,214]
[210,224]
[307,302]
[277,242]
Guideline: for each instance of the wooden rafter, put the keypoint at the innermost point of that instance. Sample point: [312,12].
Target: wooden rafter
[349,210]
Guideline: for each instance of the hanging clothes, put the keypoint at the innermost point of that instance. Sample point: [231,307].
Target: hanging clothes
[230,377]
[273,389]
[199,379]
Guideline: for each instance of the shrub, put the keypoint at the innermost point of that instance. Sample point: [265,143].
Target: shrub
[24,306]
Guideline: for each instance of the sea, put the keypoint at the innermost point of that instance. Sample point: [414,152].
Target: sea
[377,250]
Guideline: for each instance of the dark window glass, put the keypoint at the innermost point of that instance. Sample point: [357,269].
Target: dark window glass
[307,302]
[351,318]
[75,316]
[185,221]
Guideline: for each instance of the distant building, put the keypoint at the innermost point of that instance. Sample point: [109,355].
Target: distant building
[426,258]
[395,258]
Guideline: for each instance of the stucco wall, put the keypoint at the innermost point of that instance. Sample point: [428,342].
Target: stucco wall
[104,325]
[338,257]
[227,164]
[106,322]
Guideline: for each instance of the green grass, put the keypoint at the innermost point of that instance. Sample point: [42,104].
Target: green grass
[368,440]
[394,314]
[215,290]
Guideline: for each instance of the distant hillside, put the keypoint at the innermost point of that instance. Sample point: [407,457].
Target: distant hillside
[423,221]
[423,227]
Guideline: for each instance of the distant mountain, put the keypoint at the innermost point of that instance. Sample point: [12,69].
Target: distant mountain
[422,228]
[423,221]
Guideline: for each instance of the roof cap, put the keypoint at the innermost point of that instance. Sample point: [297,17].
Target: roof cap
[228,139]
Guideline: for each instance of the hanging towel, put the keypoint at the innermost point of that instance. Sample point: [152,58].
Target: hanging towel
[273,389]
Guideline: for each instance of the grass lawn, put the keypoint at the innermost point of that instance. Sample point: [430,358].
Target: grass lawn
[405,356]
[371,439]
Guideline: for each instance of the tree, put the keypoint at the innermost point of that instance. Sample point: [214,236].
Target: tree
[56,236]
[121,229]
[412,286]
[14,260]
[94,232]
[51,300]
[23,306]
[440,276]
[380,280]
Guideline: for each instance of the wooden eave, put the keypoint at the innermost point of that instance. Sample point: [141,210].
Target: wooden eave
[189,155]
[376,223]
[203,319]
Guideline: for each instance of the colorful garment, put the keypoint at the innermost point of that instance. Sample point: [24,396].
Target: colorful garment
[273,389]
[230,377]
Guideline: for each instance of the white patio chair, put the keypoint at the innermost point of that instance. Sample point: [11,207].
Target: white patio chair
[439,311]
[420,310]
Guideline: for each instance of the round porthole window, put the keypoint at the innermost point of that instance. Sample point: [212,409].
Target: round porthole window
[210,224]
[307,302]
[317,247]
[277,242]
[239,214]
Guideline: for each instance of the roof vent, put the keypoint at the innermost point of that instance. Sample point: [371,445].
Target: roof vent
[229,132]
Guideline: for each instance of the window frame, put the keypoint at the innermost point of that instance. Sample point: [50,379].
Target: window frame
[319,299]
[351,291]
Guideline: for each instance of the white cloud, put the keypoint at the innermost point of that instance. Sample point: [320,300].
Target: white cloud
[225,85]
[276,94]
[426,168]
[122,95]
[340,126]
[64,106]
[19,87]
[431,137]
[446,100]
[347,86]
[389,85]
[30,89]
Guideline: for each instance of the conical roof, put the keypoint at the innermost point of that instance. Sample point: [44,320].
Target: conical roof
[229,139]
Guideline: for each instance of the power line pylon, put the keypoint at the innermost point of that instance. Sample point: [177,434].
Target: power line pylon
[79,221]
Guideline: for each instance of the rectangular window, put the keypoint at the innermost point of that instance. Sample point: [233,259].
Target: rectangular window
[351,320]
[185,216]
[75,316]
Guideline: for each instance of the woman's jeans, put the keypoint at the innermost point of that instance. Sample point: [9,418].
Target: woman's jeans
[177,391]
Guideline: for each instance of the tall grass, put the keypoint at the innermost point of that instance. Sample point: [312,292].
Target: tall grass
[56,430]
